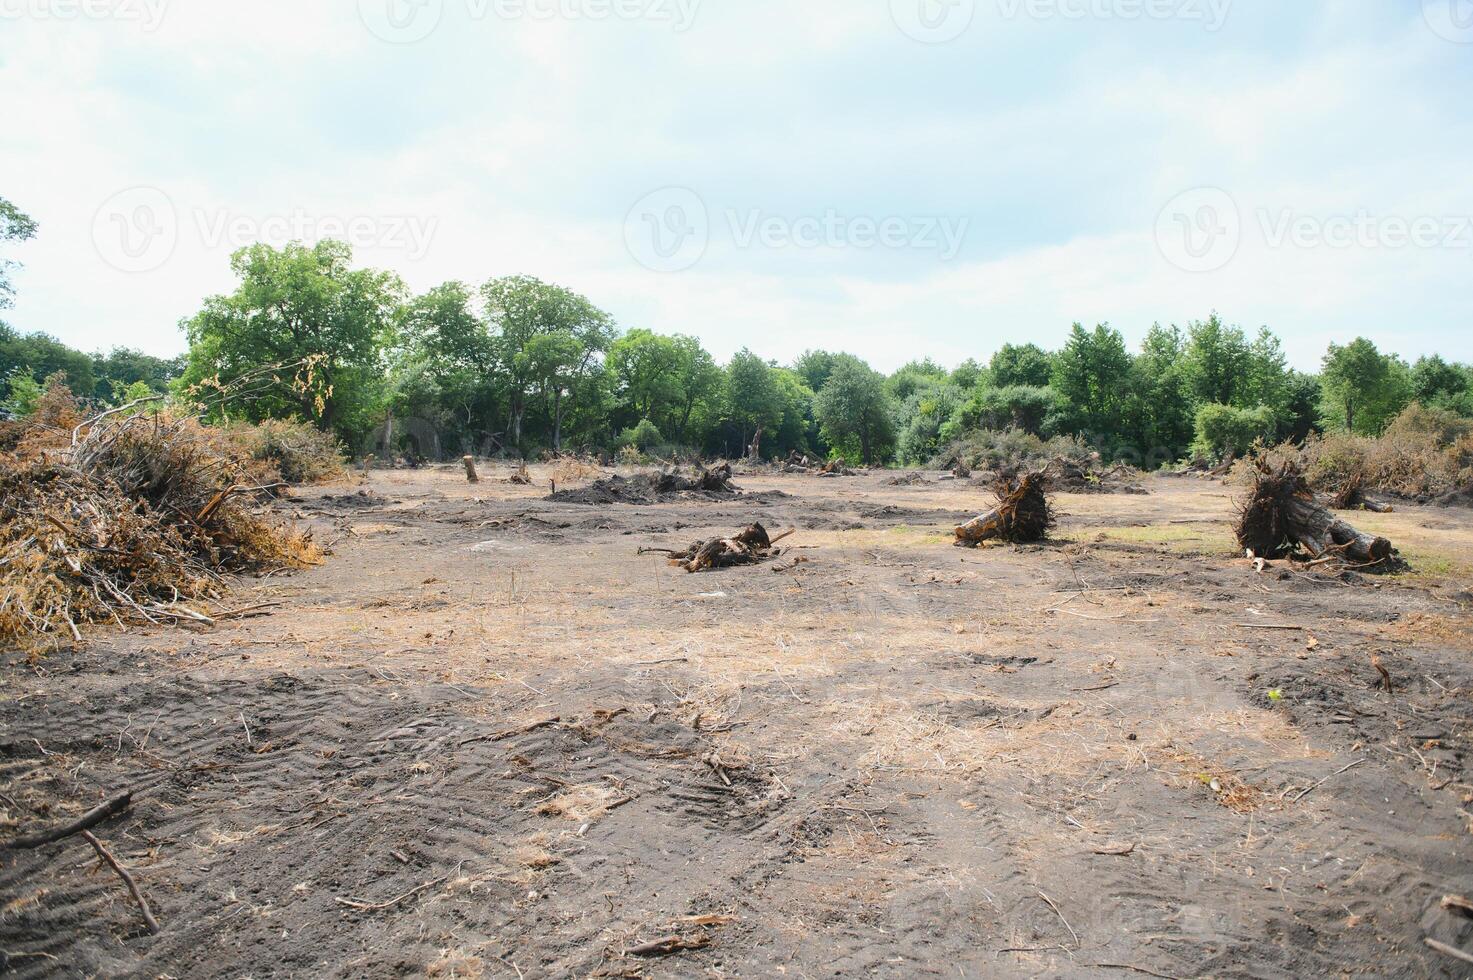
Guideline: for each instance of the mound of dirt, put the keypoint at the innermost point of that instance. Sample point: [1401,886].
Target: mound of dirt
[911,479]
[645,488]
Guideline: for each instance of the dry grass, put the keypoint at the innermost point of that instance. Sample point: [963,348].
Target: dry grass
[584,803]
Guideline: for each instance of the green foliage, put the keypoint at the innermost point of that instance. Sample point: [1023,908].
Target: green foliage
[293,305]
[1026,365]
[1436,383]
[15,226]
[815,366]
[643,436]
[1216,363]
[1023,407]
[23,392]
[914,376]
[41,356]
[1091,378]
[968,374]
[854,411]
[1364,389]
[924,422]
[1224,430]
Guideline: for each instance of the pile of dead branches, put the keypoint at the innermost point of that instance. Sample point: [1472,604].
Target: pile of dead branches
[1022,514]
[1281,517]
[134,518]
[749,546]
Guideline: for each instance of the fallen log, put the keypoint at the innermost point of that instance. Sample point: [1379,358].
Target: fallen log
[1022,514]
[1282,516]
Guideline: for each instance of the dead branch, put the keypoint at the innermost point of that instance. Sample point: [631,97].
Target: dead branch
[102,852]
[91,818]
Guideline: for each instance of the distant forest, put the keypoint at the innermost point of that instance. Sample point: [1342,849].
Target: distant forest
[518,366]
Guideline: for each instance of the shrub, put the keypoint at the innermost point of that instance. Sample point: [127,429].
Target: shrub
[987,449]
[1223,430]
[642,436]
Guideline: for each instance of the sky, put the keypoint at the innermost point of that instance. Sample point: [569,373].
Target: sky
[894,178]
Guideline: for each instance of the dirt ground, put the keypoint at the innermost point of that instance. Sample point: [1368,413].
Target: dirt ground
[487,739]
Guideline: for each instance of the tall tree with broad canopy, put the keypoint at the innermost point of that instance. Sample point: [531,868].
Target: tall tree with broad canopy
[295,304]
[1364,389]
[1091,377]
[1021,364]
[547,339]
[753,399]
[855,407]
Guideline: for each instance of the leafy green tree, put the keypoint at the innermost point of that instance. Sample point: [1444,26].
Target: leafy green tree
[968,374]
[15,226]
[1226,430]
[698,387]
[753,399]
[914,376]
[548,341]
[41,356]
[1300,415]
[22,394]
[1021,364]
[1437,384]
[854,409]
[815,366]
[797,428]
[924,421]
[1161,417]
[300,305]
[1024,407]
[1217,360]
[1091,378]
[125,367]
[443,369]
[642,365]
[1364,389]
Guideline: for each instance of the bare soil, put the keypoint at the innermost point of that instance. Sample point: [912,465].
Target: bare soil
[488,739]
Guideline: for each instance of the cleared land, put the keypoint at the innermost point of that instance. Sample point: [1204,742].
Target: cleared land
[488,739]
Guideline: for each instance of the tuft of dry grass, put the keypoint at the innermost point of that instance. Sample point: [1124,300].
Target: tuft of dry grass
[584,803]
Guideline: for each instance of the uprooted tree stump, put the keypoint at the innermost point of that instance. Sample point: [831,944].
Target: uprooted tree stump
[1281,516]
[1022,514]
[749,546]
[1352,496]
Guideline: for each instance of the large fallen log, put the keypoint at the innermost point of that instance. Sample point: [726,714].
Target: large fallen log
[1282,516]
[1022,514]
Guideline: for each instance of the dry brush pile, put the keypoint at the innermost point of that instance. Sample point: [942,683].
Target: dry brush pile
[131,517]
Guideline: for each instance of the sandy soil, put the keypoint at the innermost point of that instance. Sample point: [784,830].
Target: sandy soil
[488,739]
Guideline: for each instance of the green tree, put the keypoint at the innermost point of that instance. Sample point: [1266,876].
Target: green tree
[1160,405]
[548,340]
[854,408]
[293,305]
[15,226]
[42,355]
[815,366]
[1091,378]
[1226,430]
[753,400]
[1364,389]
[914,376]
[1021,364]
[968,374]
[1436,383]
[1217,359]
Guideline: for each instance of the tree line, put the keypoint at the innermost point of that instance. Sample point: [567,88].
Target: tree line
[516,365]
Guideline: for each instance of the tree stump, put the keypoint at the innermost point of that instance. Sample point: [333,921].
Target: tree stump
[470,469]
